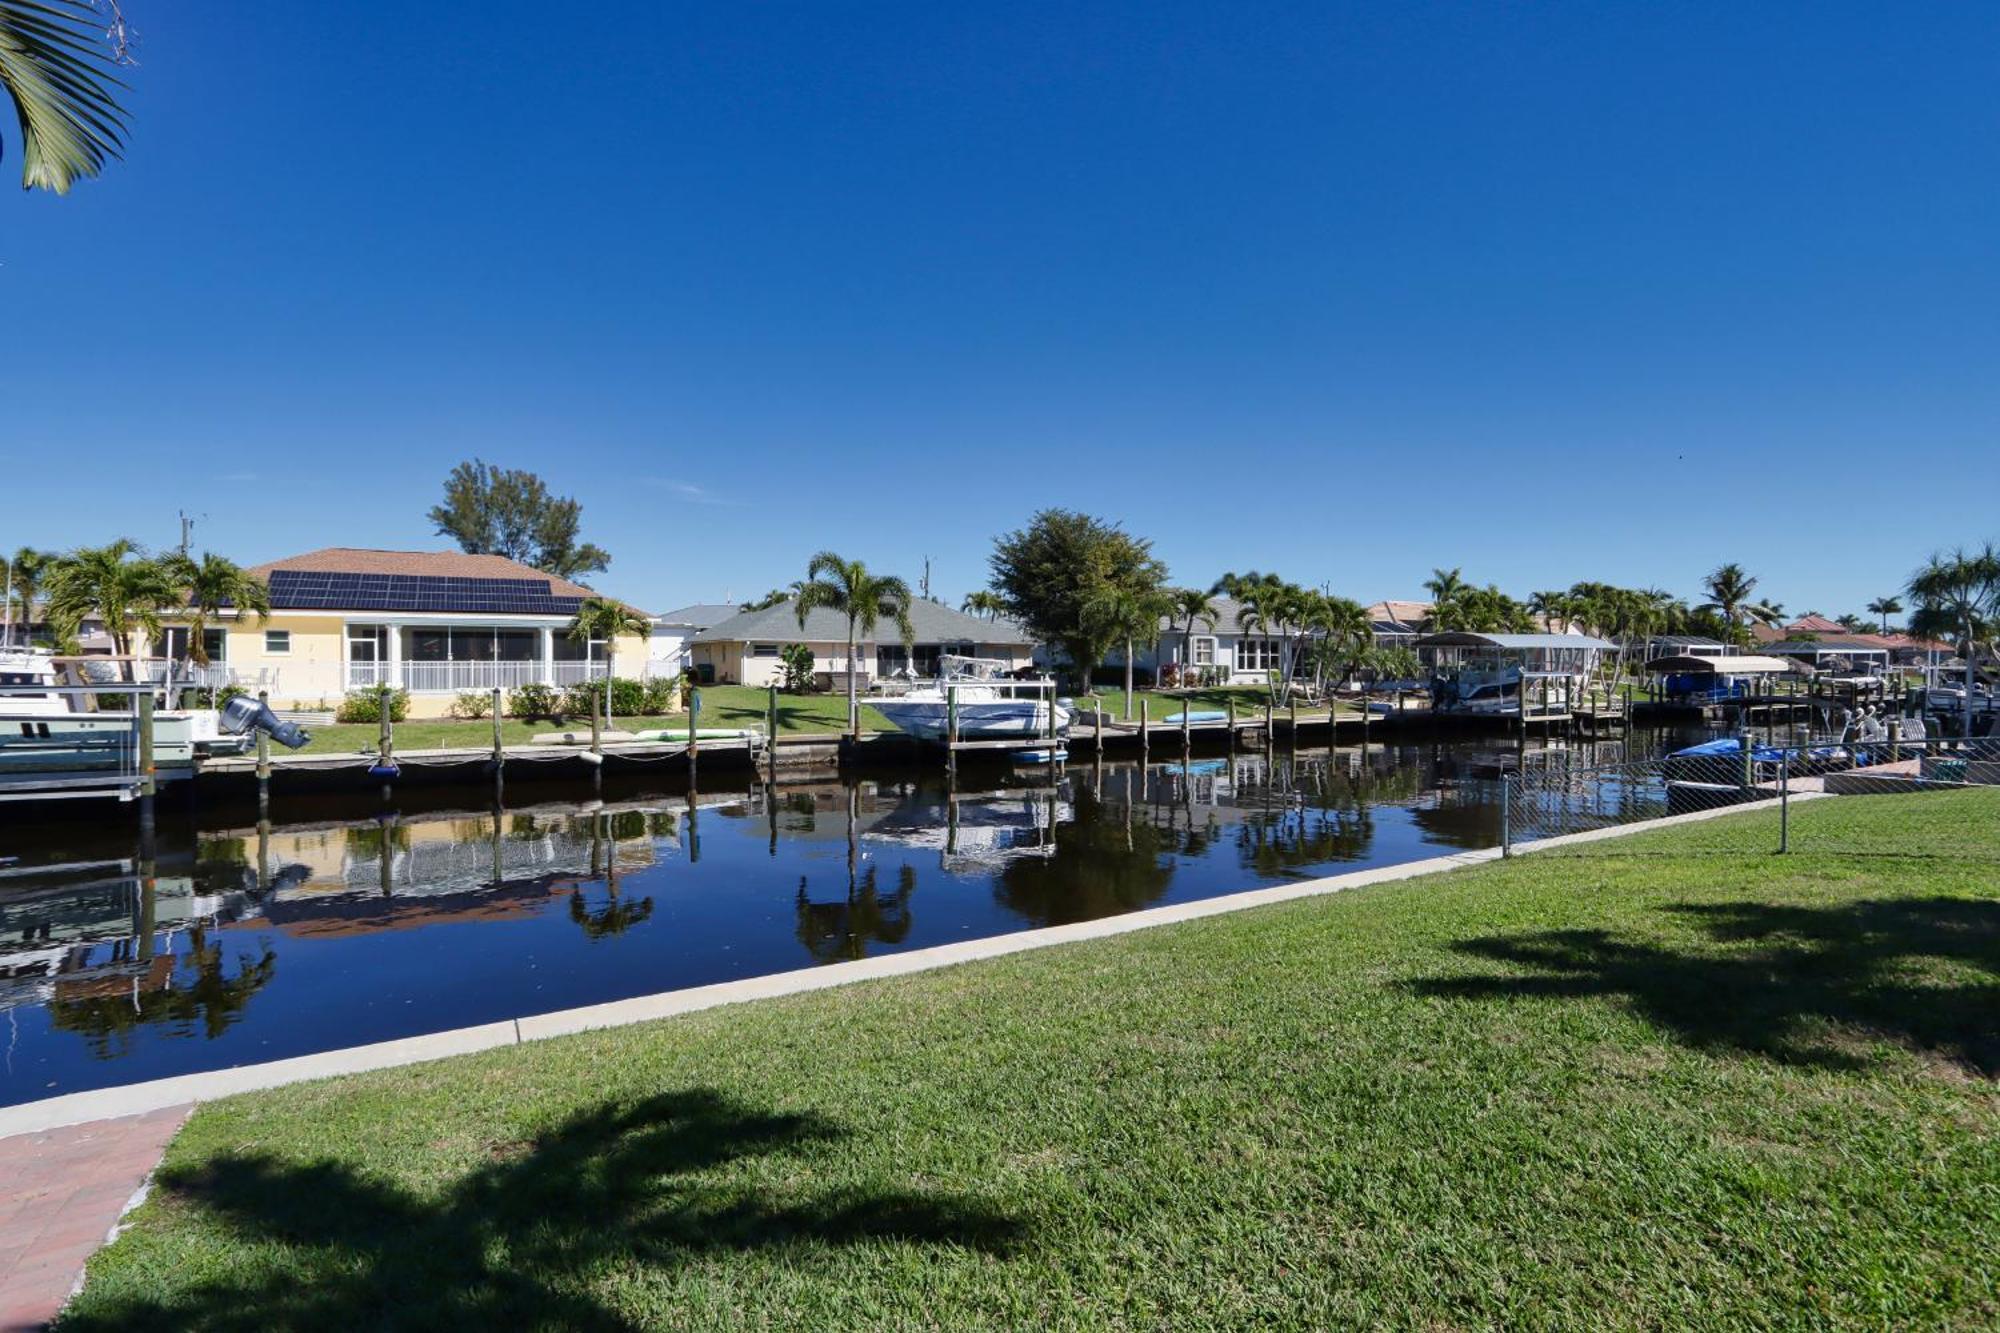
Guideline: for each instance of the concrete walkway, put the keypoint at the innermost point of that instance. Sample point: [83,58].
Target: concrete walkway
[61,1195]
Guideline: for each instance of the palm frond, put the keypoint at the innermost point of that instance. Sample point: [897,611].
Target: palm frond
[56,73]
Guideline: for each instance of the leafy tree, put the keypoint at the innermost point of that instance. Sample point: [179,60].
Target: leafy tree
[1189,605]
[491,510]
[1965,586]
[22,584]
[210,586]
[846,587]
[1051,571]
[1884,607]
[1132,614]
[605,619]
[1732,595]
[985,602]
[55,69]
[116,582]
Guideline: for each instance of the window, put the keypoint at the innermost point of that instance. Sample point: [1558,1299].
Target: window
[1204,651]
[1256,654]
[763,650]
[277,641]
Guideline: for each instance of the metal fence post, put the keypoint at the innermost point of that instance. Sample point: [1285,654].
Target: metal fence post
[1785,803]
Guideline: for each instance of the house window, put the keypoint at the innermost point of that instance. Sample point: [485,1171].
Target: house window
[277,642]
[1204,651]
[1256,654]
[763,650]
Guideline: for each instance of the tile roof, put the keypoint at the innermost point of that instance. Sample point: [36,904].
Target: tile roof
[1816,625]
[934,622]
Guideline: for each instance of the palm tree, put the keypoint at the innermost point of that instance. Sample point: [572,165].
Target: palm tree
[604,618]
[1731,594]
[1345,631]
[985,602]
[1883,608]
[22,587]
[118,583]
[846,587]
[1186,606]
[1276,607]
[1446,588]
[212,585]
[55,71]
[1966,585]
[1133,614]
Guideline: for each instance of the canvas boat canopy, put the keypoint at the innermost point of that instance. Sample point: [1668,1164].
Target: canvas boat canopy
[1744,665]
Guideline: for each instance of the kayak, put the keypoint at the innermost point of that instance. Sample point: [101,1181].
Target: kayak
[1197,715]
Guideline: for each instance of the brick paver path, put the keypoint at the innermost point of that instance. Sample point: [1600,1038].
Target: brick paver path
[61,1192]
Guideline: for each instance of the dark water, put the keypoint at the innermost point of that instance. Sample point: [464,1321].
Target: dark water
[251,945]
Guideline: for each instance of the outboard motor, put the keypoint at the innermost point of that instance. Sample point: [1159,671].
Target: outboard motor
[244,714]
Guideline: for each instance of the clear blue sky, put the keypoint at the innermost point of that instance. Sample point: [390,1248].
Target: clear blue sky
[1545,291]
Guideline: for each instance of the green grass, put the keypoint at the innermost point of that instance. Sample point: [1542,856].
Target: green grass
[744,706]
[451,734]
[1685,1084]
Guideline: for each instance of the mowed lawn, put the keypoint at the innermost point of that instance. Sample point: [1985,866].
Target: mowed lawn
[1670,1082]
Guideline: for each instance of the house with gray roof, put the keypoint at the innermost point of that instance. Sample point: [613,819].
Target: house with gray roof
[743,649]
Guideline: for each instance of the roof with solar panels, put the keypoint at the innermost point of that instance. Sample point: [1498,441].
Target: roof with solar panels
[343,578]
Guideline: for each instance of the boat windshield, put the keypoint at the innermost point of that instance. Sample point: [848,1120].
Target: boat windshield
[952,667]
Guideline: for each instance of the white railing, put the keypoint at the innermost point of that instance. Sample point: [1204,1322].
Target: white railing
[458,677]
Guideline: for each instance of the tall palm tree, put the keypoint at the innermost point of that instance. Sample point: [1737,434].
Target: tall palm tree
[1732,595]
[984,602]
[55,69]
[1279,608]
[118,583]
[1132,613]
[1187,606]
[1446,587]
[605,618]
[1884,607]
[23,586]
[846,587]
[212,585]
[1346,634]
[1965,584]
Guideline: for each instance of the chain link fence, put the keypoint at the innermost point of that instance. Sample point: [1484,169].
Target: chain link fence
[1553,794]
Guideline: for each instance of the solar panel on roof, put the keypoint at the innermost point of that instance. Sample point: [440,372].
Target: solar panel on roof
[325,590]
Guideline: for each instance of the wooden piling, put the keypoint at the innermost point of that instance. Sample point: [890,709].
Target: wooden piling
[951,730]
[263,763]
[770,728]
[142,717]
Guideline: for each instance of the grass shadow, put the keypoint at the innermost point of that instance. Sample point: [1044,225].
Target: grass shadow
[525,1241]
[1782,982]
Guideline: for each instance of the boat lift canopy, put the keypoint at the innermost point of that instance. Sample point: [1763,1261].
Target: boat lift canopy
[1742,665]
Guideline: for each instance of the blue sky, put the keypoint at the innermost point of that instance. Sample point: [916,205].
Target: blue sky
[1548,292]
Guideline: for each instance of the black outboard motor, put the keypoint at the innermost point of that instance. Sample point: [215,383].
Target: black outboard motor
[244,714]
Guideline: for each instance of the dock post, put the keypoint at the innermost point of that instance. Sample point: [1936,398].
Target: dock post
[951,730]
[263,765]
[770,730]
[1098,728]
[385,731]
[1187,727]
[1270,727]
[148,783]
[1295,721]
[1232,724]
[694,730]
[1145,731]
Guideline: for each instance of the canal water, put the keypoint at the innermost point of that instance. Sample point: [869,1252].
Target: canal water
[252,942]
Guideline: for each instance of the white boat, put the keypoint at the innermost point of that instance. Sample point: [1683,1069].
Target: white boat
[46,728]
[991,704]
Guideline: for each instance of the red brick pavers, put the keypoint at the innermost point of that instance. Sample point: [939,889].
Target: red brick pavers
[61,1192]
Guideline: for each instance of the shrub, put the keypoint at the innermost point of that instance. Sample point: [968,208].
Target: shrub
[663,695]
[797,660]
[226,693]
[579,700]
[366,706]
[628,697]
[472,705]
[532,701]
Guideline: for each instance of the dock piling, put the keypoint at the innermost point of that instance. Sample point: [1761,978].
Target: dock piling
[148,778]
[263,764]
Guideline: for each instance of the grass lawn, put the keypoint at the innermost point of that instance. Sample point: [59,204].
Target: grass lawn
[744,705]
[451,734]
[1670,1082]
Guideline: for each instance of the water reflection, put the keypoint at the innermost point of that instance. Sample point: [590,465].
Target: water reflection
[278,939]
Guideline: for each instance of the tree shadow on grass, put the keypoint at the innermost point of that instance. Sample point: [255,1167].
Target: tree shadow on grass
[523,1241]
[1787,981]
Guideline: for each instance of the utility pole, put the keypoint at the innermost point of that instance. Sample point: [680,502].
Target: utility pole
[187,532]
[926,592]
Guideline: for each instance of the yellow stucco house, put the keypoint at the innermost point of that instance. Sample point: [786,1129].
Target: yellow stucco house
[436,623]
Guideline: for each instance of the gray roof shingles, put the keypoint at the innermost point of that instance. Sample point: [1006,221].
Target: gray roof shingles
[933,622]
